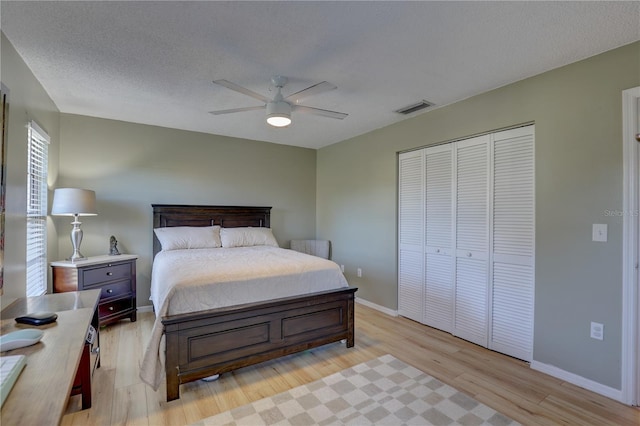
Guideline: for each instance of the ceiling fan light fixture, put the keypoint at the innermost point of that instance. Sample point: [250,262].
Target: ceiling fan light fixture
[278,114]
[279,108]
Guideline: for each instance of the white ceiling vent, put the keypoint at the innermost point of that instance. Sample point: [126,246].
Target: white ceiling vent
[415,107]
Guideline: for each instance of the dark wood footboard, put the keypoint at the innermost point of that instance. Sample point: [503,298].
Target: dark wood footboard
[216,341]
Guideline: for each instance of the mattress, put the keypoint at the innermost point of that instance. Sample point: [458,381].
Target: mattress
[185,281]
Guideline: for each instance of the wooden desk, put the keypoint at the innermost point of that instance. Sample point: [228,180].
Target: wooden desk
[42,390]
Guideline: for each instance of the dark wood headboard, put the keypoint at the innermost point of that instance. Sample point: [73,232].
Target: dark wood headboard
[165,215]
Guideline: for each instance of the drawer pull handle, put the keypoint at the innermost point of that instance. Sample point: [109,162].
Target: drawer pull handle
[111,308]
[109,290]
[469,254]
[109,274]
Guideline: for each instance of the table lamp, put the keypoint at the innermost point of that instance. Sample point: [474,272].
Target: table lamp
[74,202]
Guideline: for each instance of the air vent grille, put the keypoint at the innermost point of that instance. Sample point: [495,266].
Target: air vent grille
[415,107]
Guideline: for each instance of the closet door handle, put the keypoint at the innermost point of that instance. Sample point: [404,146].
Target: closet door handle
[469,254]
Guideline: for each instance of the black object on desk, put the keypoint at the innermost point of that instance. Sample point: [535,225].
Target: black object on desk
[37,318]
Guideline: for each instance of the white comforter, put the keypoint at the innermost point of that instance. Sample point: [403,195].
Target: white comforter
[193,280]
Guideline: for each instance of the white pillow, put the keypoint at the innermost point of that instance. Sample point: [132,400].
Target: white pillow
[188,237]
[247,237]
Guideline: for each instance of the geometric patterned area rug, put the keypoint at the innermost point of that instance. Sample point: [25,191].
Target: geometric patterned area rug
[383,391]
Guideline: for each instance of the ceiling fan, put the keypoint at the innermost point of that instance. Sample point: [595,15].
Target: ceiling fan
[279,108]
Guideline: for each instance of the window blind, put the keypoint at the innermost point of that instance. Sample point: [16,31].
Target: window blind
[37,165]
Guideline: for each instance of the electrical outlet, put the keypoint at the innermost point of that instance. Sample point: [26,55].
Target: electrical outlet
[342,268]
[597,331]
[360,272]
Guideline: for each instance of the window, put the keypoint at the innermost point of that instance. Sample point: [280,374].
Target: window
[37,165]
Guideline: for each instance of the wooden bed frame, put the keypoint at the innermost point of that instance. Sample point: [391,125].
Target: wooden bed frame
[216,341]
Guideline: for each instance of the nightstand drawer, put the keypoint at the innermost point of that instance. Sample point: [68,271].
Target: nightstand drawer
[96,276]
[115,307]
[115,289]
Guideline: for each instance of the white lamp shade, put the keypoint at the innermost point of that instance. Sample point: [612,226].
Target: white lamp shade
[279,114]
[72,201]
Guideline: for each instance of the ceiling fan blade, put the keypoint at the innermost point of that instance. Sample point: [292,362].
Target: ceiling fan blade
[318,111]
[231,111]
[324,86]
[243,90]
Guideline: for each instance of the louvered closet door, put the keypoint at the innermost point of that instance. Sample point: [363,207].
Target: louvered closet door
[411,234]
[438,297]
[513,243]
[472,240]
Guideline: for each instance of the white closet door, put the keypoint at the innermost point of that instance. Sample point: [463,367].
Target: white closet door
[411,234]
[513,243]
[472,240]
[438,297]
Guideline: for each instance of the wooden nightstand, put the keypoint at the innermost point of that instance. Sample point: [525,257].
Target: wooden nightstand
[115,276]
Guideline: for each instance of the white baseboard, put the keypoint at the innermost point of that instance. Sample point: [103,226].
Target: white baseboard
[145,308]
[574,379]
[377,307]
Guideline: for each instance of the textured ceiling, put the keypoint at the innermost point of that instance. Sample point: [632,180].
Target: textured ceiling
[153,62]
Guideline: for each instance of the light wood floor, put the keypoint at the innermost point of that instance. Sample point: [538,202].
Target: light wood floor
[501,382]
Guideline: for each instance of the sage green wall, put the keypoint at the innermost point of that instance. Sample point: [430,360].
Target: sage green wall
[131,166]
[27,101]
[578,122]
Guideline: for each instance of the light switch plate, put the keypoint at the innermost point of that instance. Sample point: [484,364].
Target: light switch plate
[597,331]
[599,232]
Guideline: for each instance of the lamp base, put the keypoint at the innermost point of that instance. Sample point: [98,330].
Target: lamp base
[76,239]
[75,257]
